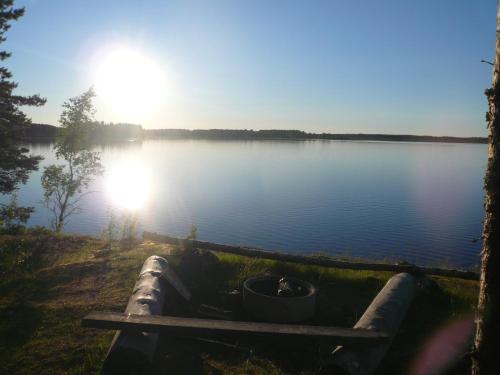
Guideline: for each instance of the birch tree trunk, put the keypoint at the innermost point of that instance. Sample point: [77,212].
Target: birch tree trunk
[486,359]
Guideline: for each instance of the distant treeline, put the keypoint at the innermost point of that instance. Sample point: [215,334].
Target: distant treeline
[297,135]
[101,132]
[110,133]
[225,134]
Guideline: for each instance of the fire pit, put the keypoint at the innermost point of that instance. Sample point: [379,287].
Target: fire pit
[279,299]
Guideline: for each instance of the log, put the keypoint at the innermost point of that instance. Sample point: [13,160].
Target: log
[314,260]
[133,352]
[385,313]
[210,328]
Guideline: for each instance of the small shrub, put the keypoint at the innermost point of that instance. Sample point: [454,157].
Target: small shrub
[21,254]
[128,229]
[13,217]
[110,233]
[184,244]
[193,235]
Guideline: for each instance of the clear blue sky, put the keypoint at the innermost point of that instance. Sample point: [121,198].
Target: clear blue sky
[386,66]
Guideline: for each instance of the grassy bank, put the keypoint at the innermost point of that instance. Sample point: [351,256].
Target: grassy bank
[48,283]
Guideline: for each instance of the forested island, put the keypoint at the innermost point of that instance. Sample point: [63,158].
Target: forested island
[109,132]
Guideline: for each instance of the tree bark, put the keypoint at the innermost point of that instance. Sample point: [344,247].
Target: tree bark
[486,358]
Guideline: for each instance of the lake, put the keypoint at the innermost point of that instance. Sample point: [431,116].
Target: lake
[417,202]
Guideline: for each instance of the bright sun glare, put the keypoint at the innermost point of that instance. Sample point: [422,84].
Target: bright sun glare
[129,83]
[129,185]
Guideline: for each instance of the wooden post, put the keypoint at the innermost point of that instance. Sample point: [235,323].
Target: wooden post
[385,313]
[133,352]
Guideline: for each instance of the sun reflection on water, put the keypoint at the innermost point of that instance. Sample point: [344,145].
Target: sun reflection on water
[129,185]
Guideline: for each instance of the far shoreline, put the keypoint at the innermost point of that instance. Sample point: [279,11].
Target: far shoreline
[111,133]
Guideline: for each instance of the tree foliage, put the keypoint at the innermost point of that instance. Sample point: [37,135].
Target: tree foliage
[65,185]
[15,162]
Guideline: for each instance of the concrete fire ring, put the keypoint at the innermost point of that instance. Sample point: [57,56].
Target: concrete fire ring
[271,308]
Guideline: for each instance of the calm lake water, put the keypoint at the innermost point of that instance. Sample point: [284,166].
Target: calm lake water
[418,202]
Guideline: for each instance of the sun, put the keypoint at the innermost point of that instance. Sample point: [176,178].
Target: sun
[130,83]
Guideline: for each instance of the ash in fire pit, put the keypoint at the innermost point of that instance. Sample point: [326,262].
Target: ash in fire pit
[289,288]
[279,299]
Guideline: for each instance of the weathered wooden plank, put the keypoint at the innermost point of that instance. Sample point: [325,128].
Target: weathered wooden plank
[319,261]
[207,327]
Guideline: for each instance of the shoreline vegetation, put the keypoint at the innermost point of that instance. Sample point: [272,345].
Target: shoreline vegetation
[109,133]
[51,281]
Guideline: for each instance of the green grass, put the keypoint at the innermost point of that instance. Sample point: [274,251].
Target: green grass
[48,283]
